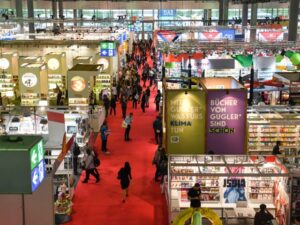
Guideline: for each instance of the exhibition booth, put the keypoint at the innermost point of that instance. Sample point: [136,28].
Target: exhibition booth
[33,84]
[81,82]
[234,186]
[195,118]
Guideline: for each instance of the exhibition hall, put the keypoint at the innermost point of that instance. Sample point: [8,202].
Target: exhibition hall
[162,112]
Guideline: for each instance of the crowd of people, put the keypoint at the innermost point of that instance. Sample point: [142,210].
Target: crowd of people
[137,79]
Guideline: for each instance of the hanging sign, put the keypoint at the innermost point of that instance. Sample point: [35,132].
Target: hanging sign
[185,121]
[270,36]
[29,80]
[210,36]
[226,121]
[38,174]
[167,13]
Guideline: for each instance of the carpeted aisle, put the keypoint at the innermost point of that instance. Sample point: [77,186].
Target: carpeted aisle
[101,203]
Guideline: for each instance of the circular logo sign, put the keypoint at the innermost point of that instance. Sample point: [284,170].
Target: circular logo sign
[78,84]
[53,64]
[104,62]
[4,63]
[29,80]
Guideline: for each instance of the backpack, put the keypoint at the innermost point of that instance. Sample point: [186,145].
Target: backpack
[96,161]
[76,149]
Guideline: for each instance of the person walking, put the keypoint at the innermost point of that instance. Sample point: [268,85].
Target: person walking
[124,106]
[89,166]
[113,105]
[157,127]
[106,104]
[143,101]
[147,97]
[135,99]
[124,175]
[158,156]
[114,91]
[104,135]
[128,121]
[76,153]
[157,100]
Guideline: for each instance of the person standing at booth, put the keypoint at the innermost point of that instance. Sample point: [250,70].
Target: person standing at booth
[194,195]
[263,217]
[276,149]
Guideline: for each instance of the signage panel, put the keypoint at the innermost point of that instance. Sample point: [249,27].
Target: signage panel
[38,174]
[185,122]
[226,121]
[37,154]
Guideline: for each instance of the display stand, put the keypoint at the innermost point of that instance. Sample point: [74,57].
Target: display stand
[57,71]
[30,59]
[83,60]
[81,80]
[266,125]
[8,73]
[33,83]
[227,181]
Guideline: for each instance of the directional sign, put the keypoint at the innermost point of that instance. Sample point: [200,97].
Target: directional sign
[36,154]
[107,52]
[38,174]
[107,45]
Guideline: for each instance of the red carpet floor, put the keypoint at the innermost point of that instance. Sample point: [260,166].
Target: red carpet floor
[101,203]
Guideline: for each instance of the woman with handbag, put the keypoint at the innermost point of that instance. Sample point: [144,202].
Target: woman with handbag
[124,175]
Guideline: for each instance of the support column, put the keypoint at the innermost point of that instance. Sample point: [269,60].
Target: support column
[80,15]
[253,22]
[293,17]
[245,15]
[19,12]
[54,13]
[61,12]
[209,13]
[30,15]
[223,12]
[75,17]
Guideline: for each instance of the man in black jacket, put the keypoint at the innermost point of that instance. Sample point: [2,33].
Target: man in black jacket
[157,127]
[263,217]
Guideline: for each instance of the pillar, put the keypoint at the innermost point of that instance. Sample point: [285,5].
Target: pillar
[223,11]
[30,15]
[19,12]
[245,15]
[293,17]
[61,12]
[253,22]
[54,12]
[80,15]
[75,17]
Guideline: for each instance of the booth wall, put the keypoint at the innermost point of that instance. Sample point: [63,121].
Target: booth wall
[11,209]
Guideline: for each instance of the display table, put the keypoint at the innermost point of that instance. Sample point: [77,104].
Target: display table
[244,212]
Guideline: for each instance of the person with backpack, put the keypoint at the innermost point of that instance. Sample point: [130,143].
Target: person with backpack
[158,156]
[76,153]
[89,166]
[124,175]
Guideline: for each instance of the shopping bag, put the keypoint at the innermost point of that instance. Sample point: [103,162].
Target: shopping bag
[124,124]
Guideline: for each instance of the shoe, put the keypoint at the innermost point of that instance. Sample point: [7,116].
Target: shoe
[85,181]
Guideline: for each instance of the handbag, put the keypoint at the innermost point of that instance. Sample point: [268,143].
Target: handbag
[124,124]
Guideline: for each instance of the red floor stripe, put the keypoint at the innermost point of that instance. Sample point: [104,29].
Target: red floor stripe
[101,203]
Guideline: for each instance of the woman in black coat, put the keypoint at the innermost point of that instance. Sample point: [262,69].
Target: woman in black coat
[124,175]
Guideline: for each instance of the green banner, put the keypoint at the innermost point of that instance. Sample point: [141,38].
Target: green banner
[244,60]
[37,154]
[185,121]
[107,45]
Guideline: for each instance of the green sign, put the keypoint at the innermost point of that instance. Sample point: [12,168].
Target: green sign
[107,45]
[22,164]
[185,121]
[37,154]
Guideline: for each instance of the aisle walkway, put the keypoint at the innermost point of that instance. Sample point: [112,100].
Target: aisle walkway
[101,203]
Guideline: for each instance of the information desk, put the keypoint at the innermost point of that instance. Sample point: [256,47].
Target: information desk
[225,181]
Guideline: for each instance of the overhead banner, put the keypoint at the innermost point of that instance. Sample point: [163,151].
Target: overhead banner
[210,36]
[226,121]
[167,36]
[185,121]
[270,36]
[228,34]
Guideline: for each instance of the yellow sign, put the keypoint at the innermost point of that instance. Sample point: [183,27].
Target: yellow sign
[185,121]
[210,214]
